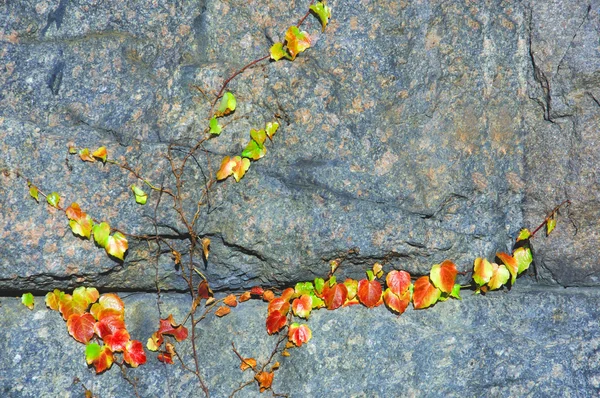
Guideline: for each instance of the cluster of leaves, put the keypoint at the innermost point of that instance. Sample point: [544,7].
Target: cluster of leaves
[93,319]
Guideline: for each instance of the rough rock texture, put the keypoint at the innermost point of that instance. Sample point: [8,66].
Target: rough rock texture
[530,341]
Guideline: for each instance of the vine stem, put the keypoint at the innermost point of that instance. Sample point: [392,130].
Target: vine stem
[549,216]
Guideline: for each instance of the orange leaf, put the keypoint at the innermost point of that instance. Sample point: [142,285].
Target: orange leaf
[222,311]
[482,271]
[248,363]
[81,326]
[275,322]
[443,276]
[264,379]
[165,357]
[288,293]
[299,334]
[334,296]
[268,295]
[425,294]
[511,265]
[100,153]
[205,247]
[369,292]
[134,353]
[280,305]
[245,297]
[396,303]
[257,291]
[398,281]
[230,300]
[84,154]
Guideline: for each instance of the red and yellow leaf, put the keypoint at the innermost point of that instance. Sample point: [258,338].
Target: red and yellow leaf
[165,357]
[296,40]
[108,324]
[288,293]
[299,334]
[369,292]
[275,321]
[334,296]
[222,311]
[134,353]
[117,341]
[236,166]
[81,326]
[155,341]
[398,282]
[443,276]
[279,304]
[500,276]
[69,306]
[482,271]
[170,327]
[302,306]
[100,153]
[84,154]
[425,294]
[511,265]
[117,245]
[109,304]
[396,303]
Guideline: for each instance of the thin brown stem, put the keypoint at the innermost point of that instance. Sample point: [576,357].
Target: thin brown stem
[551,215]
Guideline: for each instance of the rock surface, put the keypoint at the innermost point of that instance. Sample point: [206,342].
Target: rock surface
[531,341]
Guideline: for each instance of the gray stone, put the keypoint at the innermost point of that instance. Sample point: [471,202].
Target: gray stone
[531,341]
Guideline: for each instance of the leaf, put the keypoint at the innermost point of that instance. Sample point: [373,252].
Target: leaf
[53,199]
[524,234]
[425,294]
[443,276]
[81,223]
[277,52]
[319,284]
[165,357]
[258,135]
[101,154]
[99,356]
[81,326]
[296,40]
[352,287]
[33,192]
[304,288]
[248,363]
[53,299]
[227,105]
[398,282]
[279,304]
[264,379]
[254,150]
[257,291]
[396,303]
[117,245]
[334,264]
[222,311]
[550,225]
[482,271]
[268,295]
[108,304]
[378,270]
[101,234]
[140,196]
[28,300]
[69,306]
[511,265]
[302,306]
[499,277]
[170,327]
[271,129]
[117,341]
[323,12]
[523,257]
[287,294]
[230,300]
[275,322]
[215,127]
[134,353]
[369,292]
[236,166]
[88,294]
[456,292]
[84,154]
[245,297]
[205,247]
[155,341]
[299,334]
[108,324]
[204,291]
[334,296]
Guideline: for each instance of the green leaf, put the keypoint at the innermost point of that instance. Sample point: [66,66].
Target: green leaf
[523,257]
[304,288]
[277,52]
[215,127]
[370,275]
[254,150]
[271,129]
[456,292]
[228,104]
[140,196]
[332,281]
[259,136]
[319,284]
[323,12]
[27,300]
[33,191]
[92,352]
[524,234]
[101,233]
[550,225]
[53,199]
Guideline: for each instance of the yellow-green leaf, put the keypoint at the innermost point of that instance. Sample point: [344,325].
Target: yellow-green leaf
[27,300]
[277,52]
[140,196]
[228,104]
[523,235]
[101,233]
[323,12]
[215,127]
[523,257]
[271,129]
[33,191]
[550,225]
[53,199]
[117,245]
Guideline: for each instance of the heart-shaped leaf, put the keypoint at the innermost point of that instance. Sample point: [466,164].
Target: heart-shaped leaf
[81,326]
[369,292]
[299,334]
[296,40]
[117,245]
[134,353]
[443,276]
[140,196]
[323,12]
[227,105]
[425,294]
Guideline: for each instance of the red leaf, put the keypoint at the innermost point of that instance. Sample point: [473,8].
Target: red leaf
[443,276]
[334,296]
[170,327]
[424,293]
[204,291]
[299,334]
[302,306]
[398,281]
[276,321]
[280,305]
[257,291]
[102,358]
[134,353]
[81,327]
[117,341]
[369,292]
[396,303]
[165,357]
[109,324]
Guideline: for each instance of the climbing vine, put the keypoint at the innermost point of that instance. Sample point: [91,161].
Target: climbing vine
[98,321]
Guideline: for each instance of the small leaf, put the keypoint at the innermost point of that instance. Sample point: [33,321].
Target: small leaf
[277,52]
[369,292]
[268,295]
[230,301]
[257,291]
[53,299]
[53,199]
[443,276]
[245,297]
[165,357]
[482,271]
[299,334]
[215,127]
[101,154]
[499,277]
[302,306]
[524,234]
[248,363]
[140,196]
[425,294]
[319,284]
[264,379]
[80,222]
[456,292]
[287,294]
[205,247]
[323,12]
[204,291]
[523,257]
[550,225]
[511,265]
[117,341]
[304,288]
[84,154]
[101,234]
[378,270]
[99,356]
[334,296]
[222,311]
[271,129]
[72,150]
[275,322]
[170,327]
[28,300]
[228,104]
[33,192]
[81,327]
[236,166]
[296,40]
[259,136]
[352,287]
[134,353]
[87,294]
[254,150]
[117,245]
